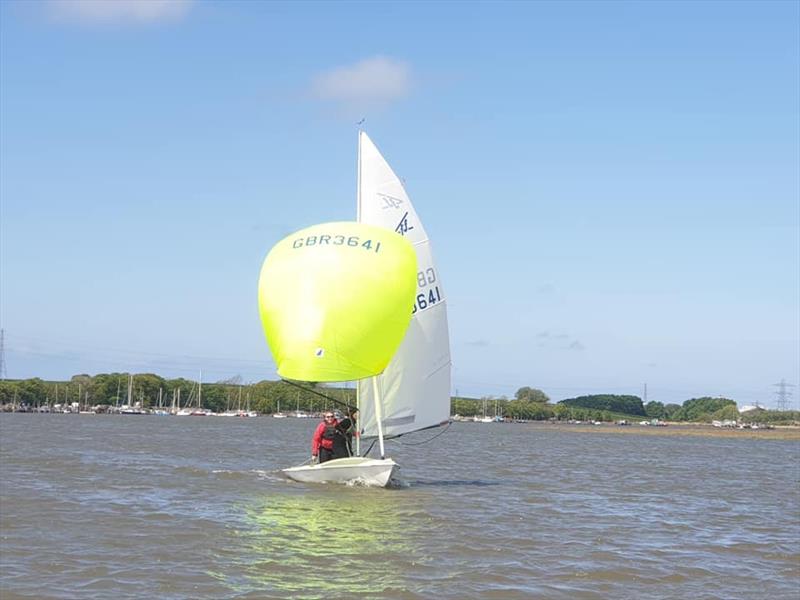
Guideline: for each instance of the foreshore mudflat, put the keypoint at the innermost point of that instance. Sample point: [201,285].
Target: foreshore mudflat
[678,429]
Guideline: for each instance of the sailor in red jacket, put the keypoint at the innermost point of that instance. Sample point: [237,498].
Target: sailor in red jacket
[322,442]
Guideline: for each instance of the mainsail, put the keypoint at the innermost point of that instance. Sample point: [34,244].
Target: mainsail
[334,300]
[414,389]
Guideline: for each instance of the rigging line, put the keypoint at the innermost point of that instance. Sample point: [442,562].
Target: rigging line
[370,447]
[320,394]
[444,429]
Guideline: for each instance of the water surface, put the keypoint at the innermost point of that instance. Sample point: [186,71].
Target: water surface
[102,506]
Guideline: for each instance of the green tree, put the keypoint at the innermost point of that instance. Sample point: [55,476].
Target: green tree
[561,412]
[530,394]
[146,387]
[180,389]
[539,411]
[701,409]
[778,417]
[466,407]
[655,410]
[726,413]
[8,392]
[629,405]
[214,397]
[32,391]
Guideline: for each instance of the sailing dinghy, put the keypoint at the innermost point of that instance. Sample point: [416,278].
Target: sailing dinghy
[403,391]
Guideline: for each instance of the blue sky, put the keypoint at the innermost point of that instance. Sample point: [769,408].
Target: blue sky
[612,189]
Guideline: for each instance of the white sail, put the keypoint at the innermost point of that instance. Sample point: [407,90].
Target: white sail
[414,390]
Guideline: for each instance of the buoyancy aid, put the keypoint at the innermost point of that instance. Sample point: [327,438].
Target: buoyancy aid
[328,434]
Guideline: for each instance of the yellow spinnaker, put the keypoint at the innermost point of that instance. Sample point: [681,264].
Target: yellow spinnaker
[335,300]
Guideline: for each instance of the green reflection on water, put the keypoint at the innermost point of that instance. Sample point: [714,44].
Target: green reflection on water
[325,542]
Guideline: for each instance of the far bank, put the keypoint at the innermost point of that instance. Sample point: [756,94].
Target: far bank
[790,433]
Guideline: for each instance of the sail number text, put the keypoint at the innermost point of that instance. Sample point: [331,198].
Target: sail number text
[429,293]
[336,240]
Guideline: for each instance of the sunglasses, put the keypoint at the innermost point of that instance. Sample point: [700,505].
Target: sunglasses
[328,416]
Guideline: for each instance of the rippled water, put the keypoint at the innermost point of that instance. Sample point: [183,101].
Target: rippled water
[95,506]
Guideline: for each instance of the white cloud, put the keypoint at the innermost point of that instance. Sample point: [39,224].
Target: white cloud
[118,11]
[371,83]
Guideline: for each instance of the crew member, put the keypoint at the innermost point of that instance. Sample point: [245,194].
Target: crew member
[323,440]
[348,427]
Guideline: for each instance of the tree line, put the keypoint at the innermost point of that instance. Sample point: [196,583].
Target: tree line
[271,396]
[146,389]
[533,404]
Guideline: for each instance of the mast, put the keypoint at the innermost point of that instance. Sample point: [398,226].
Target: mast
[378,414]
[200,390]
[358,423]
[358,180]
[358,218]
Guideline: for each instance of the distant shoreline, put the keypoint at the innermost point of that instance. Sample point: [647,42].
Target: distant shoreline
[779,432]
[672,429]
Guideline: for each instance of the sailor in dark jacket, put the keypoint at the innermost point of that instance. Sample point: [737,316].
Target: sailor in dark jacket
[348,428]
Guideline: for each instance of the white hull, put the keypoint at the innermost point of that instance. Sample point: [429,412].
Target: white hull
[369,471]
